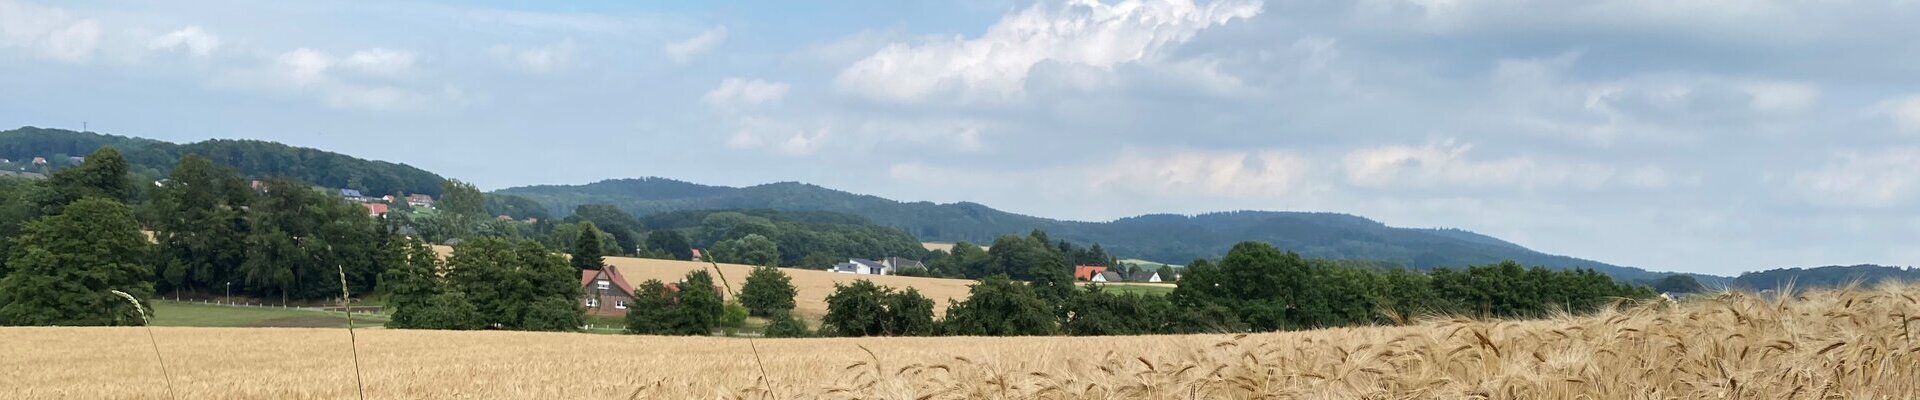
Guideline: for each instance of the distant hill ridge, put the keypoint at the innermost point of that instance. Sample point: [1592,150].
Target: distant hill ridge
[254,158]
[1828,276]
[1169,238]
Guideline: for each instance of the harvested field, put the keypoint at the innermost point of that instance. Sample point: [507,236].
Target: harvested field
[1842,344]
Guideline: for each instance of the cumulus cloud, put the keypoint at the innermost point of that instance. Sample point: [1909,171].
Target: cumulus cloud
[1202,172]
[48,32]
[539,60]
[195,40]
[737,92]
[684,51]
[319,73]
[305,66]
[996,64]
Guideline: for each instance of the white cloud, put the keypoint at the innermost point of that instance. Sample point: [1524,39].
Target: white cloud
[305,66]
[996,64]
[537,60]
[1444,163]
[197,41]
[684,51]
[1871,179]
[1905,112]
[1781,96]
[48,32]
[380,62]
[737,92]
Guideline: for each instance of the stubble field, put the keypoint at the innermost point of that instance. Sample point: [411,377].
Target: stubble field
[1853,344]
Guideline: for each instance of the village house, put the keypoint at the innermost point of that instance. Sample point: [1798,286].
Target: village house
[420,200]
[376,209]
[607,292]
[351,194]
[39,161]
[1106,276]
[1086,272]
[885,266]
[1144,276]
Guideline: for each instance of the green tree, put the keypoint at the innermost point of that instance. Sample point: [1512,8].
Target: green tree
[462,199]
[64,267]
[768,292]
[565,235]
[587,251]
[301,239]
[856,310]
[652,310]
[751,249]
[1678,284]
[201,225]
[784,325]
[699,306]
[733,316]
[997,306]
[1094,312]
[671,242]
[449,311]
[518,285]
[411,282]
[908,314]
[625,229]
[1167,274]
[103,174]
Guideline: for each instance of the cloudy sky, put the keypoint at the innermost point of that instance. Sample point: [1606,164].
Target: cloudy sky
[1692,135]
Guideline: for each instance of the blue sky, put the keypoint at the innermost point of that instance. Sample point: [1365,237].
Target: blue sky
[1694,135]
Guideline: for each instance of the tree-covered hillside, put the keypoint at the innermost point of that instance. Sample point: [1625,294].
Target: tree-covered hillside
[1828,276]
[150,158]
[1163,238]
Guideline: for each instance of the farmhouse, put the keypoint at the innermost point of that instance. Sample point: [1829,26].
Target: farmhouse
[1086,272]
[420,200]
[607,292]
[1144,276]
[1106,276]
[376,209]
[351,194]
[885,266]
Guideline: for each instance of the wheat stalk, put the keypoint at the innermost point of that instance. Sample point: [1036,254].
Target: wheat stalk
[148,326]
[353,342]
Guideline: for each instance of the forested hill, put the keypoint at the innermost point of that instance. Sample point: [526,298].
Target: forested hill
[253,158]
[1164,238]
[1828,276]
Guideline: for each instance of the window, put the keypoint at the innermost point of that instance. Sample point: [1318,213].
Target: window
[602,283]
[593,302]
[620,304]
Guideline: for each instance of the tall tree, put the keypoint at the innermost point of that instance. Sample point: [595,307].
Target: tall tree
[625,229]
[462,198]
[857,309]
[767,292]
[670,242]
[518,285]
[909,314]
[201,225]
[997,306]
[64,267]
[751,249]
[587,249]
[699,305]
[653,309]
[103,174]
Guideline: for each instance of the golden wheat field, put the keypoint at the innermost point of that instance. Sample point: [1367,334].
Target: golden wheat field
[812,286]
[1849,344]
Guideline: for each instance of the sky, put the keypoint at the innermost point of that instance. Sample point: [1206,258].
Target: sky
[1712,136]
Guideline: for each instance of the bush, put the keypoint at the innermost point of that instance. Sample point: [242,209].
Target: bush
[784,325]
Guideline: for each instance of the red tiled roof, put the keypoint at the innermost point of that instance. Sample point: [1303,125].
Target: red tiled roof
[611,273]
[1086,272]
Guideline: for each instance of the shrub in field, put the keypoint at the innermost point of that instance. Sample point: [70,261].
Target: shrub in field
[784,325]
[697,308]
[652,310]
